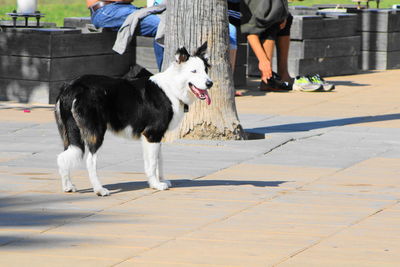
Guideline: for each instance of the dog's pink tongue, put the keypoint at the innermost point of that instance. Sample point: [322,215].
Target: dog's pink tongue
[208,98]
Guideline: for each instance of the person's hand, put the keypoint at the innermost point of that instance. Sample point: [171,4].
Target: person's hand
[282,24]
[266,70]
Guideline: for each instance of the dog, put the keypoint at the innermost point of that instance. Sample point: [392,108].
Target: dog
[145,108]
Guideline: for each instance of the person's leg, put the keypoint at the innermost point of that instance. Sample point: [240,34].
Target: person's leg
[268,46]
[112,15]
[148,25]
[232,46]
[159,52]
[282,47]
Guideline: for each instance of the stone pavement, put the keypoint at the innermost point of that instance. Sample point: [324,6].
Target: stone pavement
[322,189]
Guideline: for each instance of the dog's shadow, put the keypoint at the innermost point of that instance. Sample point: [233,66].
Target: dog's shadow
[183,183]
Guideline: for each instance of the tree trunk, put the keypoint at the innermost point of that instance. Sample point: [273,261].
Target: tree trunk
[190,23]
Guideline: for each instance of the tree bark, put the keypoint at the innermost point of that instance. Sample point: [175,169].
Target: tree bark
[190,23]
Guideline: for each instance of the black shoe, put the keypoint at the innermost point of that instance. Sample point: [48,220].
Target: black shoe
[275,84]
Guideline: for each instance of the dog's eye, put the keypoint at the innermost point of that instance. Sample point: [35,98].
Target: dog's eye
[194,71]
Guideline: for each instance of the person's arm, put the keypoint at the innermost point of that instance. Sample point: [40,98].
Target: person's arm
[264,63]
[90,3]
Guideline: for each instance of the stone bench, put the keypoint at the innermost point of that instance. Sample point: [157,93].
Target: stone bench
[380,32]
[36,62]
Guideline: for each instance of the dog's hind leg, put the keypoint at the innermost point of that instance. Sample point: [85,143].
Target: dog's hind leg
[151,152]
[92,132]
[66,161]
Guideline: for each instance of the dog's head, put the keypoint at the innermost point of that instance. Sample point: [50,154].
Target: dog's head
[193,69]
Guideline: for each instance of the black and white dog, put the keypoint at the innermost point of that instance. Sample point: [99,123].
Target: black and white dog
[145,108]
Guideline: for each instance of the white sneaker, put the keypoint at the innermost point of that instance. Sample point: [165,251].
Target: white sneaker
[303,83]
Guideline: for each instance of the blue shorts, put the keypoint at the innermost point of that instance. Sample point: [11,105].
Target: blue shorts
[232,37]
[113,16]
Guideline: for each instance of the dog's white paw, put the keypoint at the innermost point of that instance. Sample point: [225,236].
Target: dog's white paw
[169,184]
[69,188]
[159,185]
[102,192]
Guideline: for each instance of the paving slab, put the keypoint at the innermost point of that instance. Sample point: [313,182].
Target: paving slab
[320,189]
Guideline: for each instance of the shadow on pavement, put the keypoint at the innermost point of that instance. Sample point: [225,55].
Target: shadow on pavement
[23,218]
[307,126]
[131,186]
[348,83]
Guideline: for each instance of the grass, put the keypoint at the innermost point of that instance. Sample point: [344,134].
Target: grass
[56,10]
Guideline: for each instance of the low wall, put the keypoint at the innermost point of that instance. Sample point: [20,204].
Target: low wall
[380,32]
[36,62]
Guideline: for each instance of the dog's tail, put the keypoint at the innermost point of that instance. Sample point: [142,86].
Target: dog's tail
[66,124]
[61,123]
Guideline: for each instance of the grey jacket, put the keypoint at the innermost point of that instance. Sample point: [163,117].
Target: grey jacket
[259,15]
[127,30]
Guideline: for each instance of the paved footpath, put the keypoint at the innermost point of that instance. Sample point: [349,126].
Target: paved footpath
[322,189]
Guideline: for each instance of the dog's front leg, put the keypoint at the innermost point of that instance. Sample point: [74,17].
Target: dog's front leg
[160,169]
[151,153]
[91,162]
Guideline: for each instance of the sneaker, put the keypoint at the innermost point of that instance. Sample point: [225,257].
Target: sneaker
[275,84]
[303,83]
[318,80]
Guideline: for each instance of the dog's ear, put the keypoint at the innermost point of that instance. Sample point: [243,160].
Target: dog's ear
[201,51]
[181,55]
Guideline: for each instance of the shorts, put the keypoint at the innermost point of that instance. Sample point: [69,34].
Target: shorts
[232,37]
[274,31]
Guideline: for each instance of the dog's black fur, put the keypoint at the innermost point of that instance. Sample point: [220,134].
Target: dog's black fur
[149,106]
[102,102]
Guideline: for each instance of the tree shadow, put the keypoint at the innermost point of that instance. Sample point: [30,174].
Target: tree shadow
[28,215]
[307,126]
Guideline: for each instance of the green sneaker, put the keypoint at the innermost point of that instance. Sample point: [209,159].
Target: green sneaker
[316,79]
[303,83]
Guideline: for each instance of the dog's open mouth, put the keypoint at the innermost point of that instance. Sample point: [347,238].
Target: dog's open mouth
[200,94]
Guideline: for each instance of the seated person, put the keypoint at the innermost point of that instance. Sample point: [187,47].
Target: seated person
[112,14]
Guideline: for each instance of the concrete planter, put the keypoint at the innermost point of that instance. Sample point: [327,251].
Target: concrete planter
[380,32]
[36,62]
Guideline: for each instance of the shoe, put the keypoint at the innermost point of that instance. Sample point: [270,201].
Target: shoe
[318,80]
[275,84]
[303,83]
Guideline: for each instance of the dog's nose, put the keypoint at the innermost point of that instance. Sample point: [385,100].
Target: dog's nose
[209,84]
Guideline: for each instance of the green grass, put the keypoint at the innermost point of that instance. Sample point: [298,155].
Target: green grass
[56,10]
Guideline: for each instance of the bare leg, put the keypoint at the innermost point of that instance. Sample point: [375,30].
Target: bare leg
[91,167]
[232,59]
[66,161]
[268,46]
[282,47]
